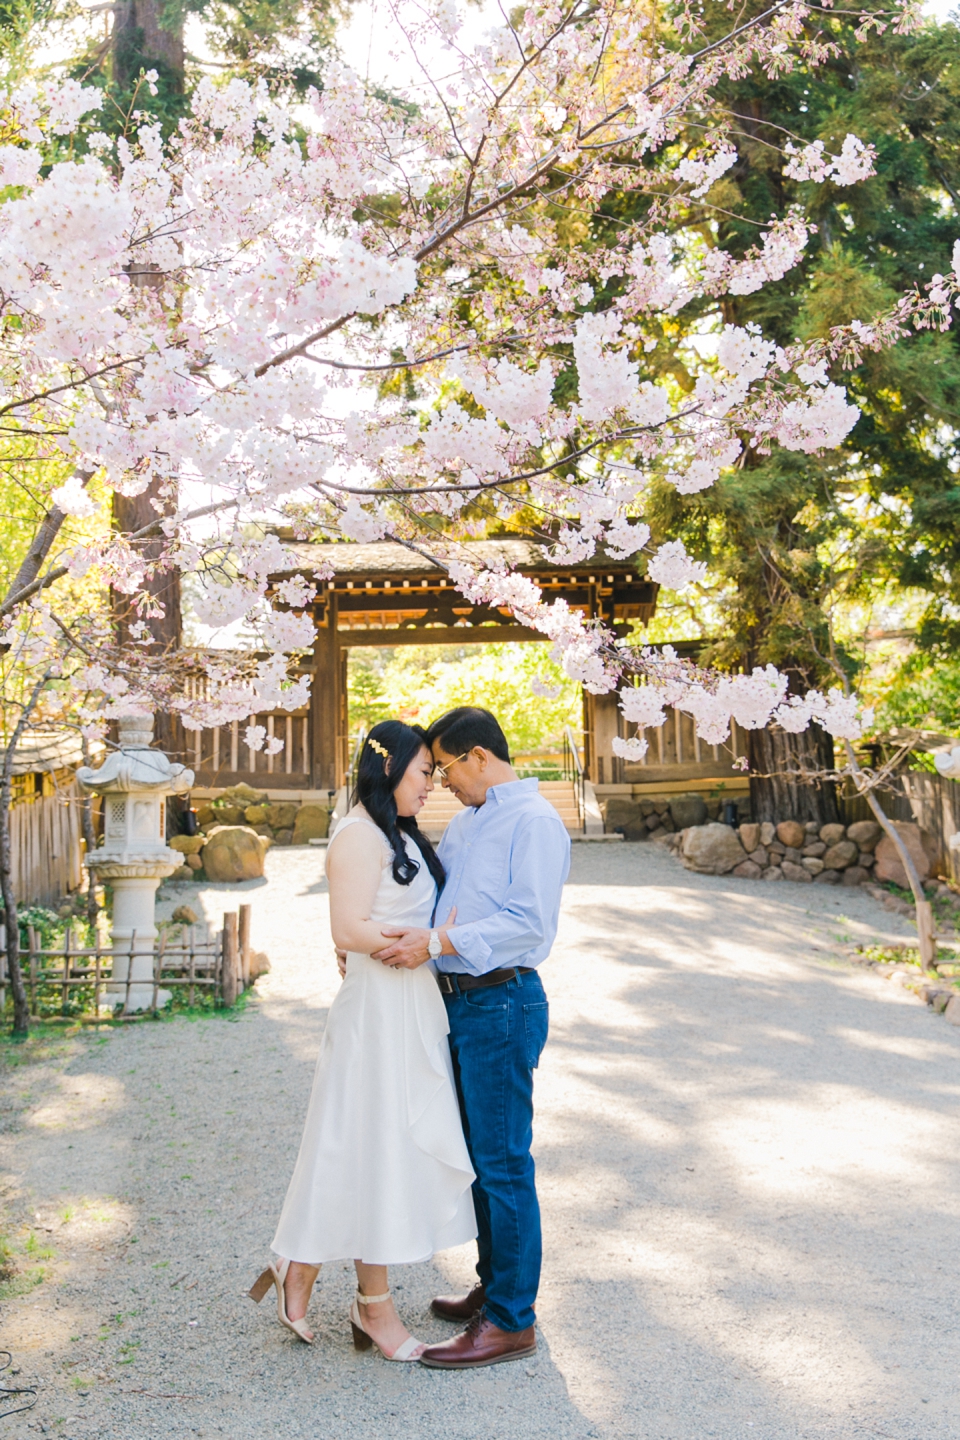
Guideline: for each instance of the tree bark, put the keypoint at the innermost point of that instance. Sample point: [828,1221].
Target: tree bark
[142,42]
[786,776]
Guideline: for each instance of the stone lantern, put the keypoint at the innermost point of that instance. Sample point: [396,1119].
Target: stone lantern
[135,781]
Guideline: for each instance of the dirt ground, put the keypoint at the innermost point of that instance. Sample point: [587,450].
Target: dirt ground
[749,1165]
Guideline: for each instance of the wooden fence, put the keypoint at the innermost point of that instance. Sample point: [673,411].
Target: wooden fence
[928,800]
[77,980]
[45,847]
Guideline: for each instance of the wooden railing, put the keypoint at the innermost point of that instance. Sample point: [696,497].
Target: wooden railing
[59,977]
[219,756]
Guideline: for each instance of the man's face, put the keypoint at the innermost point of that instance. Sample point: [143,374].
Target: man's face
[465,776]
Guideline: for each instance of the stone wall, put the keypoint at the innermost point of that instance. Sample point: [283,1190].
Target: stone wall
[270,822]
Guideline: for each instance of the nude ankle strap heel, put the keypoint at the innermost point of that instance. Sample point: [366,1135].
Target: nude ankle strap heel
[362,1340]
[276,1277]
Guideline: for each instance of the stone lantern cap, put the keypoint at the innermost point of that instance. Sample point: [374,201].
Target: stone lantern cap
[135,765]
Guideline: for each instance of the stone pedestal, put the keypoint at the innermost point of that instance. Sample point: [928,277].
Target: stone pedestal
[134,781]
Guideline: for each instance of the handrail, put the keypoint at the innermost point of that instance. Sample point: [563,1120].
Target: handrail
[355,761]
[573,765]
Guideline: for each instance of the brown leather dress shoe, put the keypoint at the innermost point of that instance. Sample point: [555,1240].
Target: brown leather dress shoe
[459,1307]
[482,1343]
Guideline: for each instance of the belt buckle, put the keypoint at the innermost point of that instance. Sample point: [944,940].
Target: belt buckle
[445,983]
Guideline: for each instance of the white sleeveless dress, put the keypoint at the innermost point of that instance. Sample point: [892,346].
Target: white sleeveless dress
[383,1173]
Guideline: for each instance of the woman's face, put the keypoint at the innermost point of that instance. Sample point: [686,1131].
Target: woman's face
[416,784]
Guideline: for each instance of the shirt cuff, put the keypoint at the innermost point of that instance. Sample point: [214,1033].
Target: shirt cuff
[470,946]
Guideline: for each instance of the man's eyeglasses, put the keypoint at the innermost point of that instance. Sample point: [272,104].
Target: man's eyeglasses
[444,770]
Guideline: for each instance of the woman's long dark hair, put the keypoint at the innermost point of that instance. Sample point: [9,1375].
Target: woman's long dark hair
[374,791]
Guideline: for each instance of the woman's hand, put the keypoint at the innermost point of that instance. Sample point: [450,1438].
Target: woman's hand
[341,962]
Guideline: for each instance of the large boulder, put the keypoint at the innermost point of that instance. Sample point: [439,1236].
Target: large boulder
[312,823]
[712,849]
[866,833]
[840,855]
[187,844]
[620,811]
[686,810]
[918,843]
[234,852]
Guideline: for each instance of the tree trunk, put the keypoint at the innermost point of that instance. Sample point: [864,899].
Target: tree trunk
[786,776]
[141,41]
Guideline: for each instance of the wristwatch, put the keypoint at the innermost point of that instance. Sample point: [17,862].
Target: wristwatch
[435,948]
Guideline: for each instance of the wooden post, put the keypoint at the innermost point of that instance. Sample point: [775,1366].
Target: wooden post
[65,988]
[126,997]
[230,958]
[157,967]
[3,970]
[325,700]
[192,964]
[96,970]
[32,947]
[244,943]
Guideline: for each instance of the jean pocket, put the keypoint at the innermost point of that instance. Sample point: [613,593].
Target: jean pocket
[536,1023]
[490,997]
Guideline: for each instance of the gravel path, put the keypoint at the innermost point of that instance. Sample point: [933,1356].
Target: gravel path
[749,1156]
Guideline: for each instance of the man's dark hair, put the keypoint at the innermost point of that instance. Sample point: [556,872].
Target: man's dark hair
[460,730]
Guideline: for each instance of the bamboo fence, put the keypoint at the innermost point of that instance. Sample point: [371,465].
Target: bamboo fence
[80,980]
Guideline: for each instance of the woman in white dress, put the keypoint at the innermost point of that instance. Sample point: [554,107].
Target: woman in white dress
[383,1176]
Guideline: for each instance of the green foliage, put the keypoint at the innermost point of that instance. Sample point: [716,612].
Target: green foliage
[924,692]
[419,683]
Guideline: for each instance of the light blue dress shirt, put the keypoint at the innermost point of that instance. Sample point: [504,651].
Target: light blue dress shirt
[506,861]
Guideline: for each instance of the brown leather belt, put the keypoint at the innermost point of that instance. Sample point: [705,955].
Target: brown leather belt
[479,982]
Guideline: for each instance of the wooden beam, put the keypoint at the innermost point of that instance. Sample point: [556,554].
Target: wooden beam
[439,635]
[325,702]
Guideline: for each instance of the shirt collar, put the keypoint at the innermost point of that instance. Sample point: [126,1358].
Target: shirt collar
[511,790]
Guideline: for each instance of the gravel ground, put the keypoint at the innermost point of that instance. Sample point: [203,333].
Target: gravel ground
[749,1156]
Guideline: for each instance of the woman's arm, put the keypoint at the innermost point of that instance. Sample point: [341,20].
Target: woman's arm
[354,868]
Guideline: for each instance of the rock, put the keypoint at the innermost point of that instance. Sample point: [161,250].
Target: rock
[952,1010]
[866,859]
[234,852]
[283,837]
[796,873]
[747,870]
[184,915]
[205,813]
[776,848]
[855,875]
[759,856]
[812,863]
[840,855]
[768,833]
[664,837]
[712,849]
[791,832]
[646,807]
[194,862]
[940,999]
[749,837]
[282,816]
[227,814]
[814,847]
[637,829]
[618,812]
[661,806]
[256,814]
[243,795]
[652,822]
[889,868]
[865,832]
[773,872]
[686,810]
[312,823]
[792,854]
[812,828]
[265,832]
[184,873]
[187,844]
[827,877]
[259,965]
[831,834]
[668,824]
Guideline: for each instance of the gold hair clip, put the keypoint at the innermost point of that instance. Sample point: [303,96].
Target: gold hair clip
[380,749]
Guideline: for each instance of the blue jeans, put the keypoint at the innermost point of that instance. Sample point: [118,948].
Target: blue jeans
[496,1036]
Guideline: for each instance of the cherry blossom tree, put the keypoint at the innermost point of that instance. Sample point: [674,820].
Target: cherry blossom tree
[391,315]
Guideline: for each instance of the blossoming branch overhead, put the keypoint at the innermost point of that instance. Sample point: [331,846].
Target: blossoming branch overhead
[364,313]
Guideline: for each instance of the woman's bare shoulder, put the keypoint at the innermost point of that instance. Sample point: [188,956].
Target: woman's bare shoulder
[359,840]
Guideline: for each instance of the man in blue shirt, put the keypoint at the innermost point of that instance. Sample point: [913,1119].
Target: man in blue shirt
[506,857]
